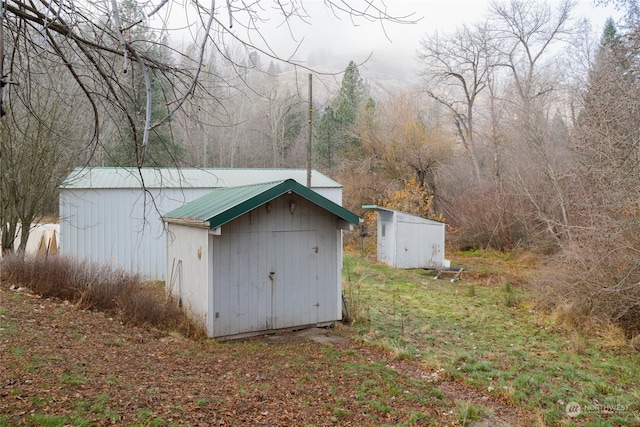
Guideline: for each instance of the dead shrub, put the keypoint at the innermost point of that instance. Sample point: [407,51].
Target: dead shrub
[596,278]
[99,287]
[612,336]
[358,308]
[482,217]
[566,317]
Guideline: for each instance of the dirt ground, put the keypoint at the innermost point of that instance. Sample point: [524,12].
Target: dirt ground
[65,366]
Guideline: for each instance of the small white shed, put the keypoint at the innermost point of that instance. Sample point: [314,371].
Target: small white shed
[256,259]
[112,215]
[409,241]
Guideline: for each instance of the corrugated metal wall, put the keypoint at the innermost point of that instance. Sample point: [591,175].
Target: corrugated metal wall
[419,242]
[122,227]
[409,241]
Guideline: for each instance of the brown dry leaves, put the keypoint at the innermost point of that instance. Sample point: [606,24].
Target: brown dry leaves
[83,368]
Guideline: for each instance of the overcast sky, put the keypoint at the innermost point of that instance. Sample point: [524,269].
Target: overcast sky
[395,44]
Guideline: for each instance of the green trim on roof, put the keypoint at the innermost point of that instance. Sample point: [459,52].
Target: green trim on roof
[226,204]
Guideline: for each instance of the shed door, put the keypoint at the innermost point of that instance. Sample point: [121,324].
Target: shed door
[294,282]
[273,287]
[241,289]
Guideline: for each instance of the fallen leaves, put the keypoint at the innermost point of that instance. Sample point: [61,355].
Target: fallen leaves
[83,366]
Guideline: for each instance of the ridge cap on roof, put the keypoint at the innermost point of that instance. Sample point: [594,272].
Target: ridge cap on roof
[255,184]
[269,191]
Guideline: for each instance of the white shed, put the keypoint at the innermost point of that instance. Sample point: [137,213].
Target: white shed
[409,241]
[112,215]
[255,259]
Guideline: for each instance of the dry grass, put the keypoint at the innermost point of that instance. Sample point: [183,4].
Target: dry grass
[566,317]
[594,280]
[611,336]
[95,287]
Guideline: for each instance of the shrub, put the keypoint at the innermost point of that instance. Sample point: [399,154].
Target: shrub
[98,287]
[482,217]
[599,278]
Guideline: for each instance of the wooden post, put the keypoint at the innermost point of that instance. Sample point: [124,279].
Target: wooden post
[310,133]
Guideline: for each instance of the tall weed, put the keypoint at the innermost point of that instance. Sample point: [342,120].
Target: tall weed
[593,280]
[98,287]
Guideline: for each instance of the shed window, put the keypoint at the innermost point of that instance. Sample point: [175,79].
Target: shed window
[384,228]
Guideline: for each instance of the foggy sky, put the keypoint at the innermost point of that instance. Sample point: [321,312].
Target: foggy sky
[338,40]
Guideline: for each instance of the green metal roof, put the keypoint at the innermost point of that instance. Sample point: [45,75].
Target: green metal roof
[225,204]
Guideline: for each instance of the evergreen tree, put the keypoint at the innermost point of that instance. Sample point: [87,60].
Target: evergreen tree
[610,36]
[334,134]
[608,122]
[326,138]
[162,149]
[353,87]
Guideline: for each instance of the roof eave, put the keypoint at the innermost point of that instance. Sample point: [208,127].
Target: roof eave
[191,222]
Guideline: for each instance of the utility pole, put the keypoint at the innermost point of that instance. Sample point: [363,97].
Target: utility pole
[309,134]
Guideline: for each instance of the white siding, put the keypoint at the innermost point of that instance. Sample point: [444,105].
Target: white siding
[273,269]
[386,238]
[188,253]
[419,245]
[409,241]
[120,227]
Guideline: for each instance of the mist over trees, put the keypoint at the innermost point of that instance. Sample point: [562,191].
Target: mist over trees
[545,114]
[134,99]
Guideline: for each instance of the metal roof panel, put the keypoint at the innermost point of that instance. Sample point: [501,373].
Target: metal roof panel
[223,205]
[93,178]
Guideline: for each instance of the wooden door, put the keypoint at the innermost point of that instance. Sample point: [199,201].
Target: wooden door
[294,278]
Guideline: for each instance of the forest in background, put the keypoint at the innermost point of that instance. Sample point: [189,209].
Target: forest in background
[522,133]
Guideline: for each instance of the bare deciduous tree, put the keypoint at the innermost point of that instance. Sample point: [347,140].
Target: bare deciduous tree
[401,143]
[285,117]
[597,274]
[40,137]
[527,31]
[456,69]
[95,44]
[114,54]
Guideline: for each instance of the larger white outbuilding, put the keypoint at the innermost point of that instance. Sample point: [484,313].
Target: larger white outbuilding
[113,215]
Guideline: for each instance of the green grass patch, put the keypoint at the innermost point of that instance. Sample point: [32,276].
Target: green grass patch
[468,412]
[47,420]
[73,379]
[486,335]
